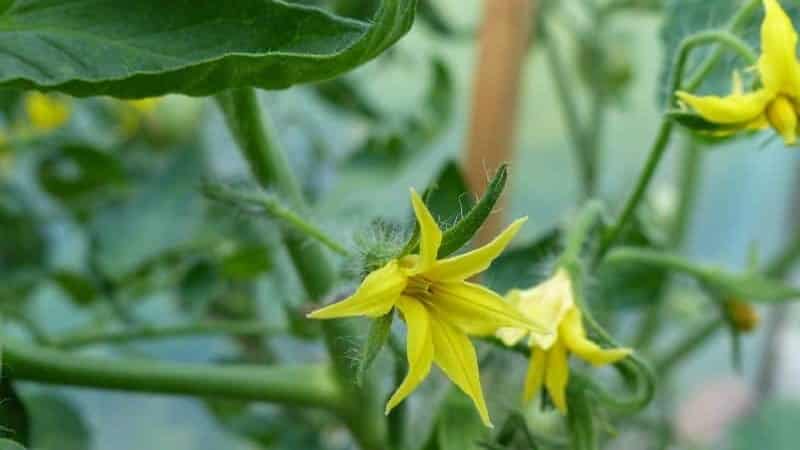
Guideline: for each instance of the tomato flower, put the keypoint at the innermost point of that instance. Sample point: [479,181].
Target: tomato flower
[553,302]
[439,306]
[776,102]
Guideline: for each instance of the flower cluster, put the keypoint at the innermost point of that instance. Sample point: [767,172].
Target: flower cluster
[441,309]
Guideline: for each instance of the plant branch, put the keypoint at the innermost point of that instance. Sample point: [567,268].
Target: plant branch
[296,385]
[220,327]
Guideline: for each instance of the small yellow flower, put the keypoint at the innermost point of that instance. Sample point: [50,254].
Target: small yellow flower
[776,102]
[144,105]
[553,302]
[46,112]
[439,307]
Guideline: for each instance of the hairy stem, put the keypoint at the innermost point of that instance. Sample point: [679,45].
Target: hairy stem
[258,143]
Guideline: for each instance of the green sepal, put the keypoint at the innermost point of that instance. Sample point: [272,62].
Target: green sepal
[696,122]
[462,232]
[379,332]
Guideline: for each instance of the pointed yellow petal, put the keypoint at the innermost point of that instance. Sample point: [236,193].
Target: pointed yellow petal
[534,379]
[429,232]
[574,336]
[375,297]
[454,354]
[557,375]
[777,64]
[475,309]
[732,109]
[783,117]
[419,349]
[464,266]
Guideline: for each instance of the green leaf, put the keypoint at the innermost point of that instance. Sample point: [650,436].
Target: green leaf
[149,47]
[462,232]
[525,265]
[774,427]
[448,196]
[379,331]
[5,444]
[14,423]
[459,426]
[246,262]
[160,218]
[81,289]
[74,173]
[56,424]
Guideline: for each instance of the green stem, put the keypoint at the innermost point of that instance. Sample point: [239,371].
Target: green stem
[258,143]
[736,22]
[690,169]
[656,153]
[632,368]
[296,385]
[665,130]
[273,207]
[691,342]
[223,327]
[784,262]
[569,110]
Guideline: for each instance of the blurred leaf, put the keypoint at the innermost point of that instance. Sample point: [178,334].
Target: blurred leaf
[163,216]
[56,424]
[448,197]
[14,423]
[430,14]
[459,427]
[525,265]
[81,289]
[199,286]
[23,242]
[245,262]
[629,285]
[774,427]
[73,173]
[149,48]
[460,233]
[5,444]
[344,93]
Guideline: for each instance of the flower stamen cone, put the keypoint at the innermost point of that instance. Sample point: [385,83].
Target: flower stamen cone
[440,308]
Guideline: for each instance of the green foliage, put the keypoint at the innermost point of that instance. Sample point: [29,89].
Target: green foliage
[525,265]
[458,425]
[5,444]
[379,331]
[150,48]
[773,427]
[56,424]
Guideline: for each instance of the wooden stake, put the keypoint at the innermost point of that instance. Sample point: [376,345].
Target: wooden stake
[504,41]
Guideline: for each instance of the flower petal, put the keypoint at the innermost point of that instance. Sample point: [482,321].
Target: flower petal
[454,354]
[375,297]
[534,379]
[548,303]
[557,375]
[468,264]
[783,117]
[733,109]
[512,336]
[574,336]
[419,348]
[475,309]
[778,64]
[430,234]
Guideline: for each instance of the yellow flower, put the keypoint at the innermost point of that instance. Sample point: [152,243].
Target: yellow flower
[439,307]
[553,302]
[742,315]
[776,102]
[46,112]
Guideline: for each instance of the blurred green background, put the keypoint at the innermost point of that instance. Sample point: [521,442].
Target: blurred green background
[92,211]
